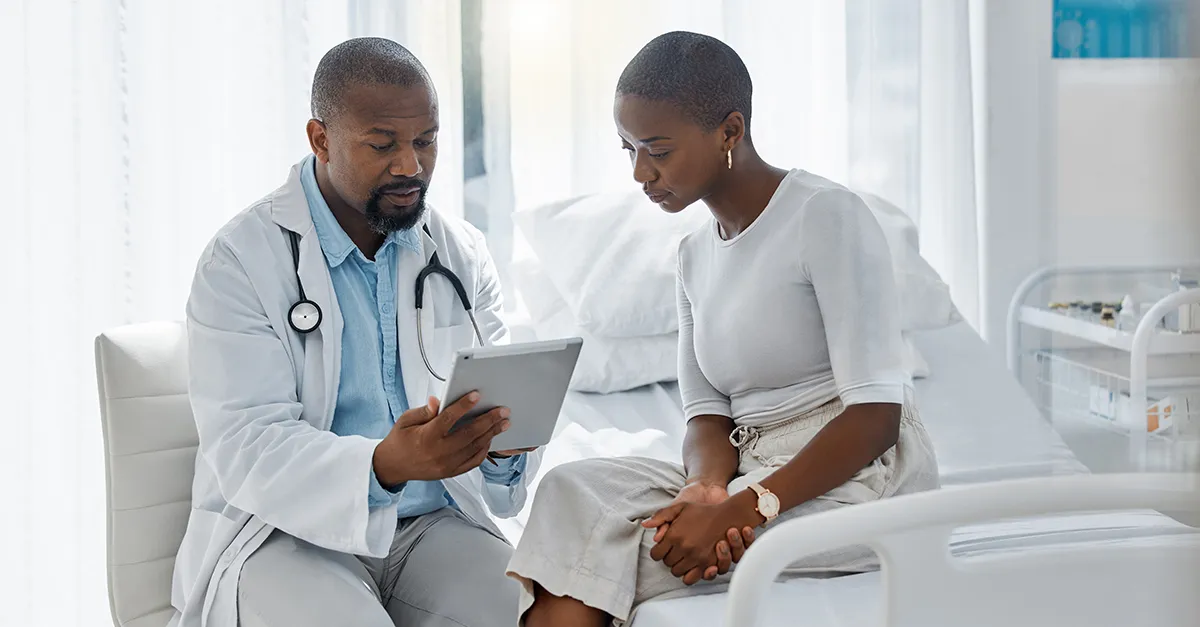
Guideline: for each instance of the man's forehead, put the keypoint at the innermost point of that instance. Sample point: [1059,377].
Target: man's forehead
[393,105]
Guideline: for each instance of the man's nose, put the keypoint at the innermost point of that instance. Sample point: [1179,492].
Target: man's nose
[405,163]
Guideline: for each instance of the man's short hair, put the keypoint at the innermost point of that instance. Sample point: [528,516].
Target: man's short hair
[362,61]
[701,75]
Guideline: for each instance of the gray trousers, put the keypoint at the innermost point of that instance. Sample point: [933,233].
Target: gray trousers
[442,571]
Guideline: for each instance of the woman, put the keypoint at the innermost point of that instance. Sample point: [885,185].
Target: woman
[790,363]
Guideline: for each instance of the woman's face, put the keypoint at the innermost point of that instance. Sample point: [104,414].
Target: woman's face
[676,161]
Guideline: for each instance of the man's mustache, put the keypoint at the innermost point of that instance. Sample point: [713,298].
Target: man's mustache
[399,185]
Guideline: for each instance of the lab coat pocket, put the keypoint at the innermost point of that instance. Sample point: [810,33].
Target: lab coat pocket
[444,344]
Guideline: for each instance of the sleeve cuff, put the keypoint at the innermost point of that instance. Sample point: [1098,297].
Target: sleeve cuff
[708,407]
[506,472]
[379,496]
[882,392]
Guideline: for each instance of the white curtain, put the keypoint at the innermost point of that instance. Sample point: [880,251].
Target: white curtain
[133,130]
[875,94]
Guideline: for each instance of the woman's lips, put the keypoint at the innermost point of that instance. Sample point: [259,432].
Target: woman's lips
[657,197]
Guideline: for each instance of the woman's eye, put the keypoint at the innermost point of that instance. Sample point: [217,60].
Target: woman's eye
[659,155]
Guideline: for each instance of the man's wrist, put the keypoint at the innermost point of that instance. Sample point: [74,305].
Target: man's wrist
[387,476]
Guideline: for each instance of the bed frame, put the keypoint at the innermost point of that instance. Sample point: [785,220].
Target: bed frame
[1148,581]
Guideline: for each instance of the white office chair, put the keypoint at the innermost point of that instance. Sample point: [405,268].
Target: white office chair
[149,458]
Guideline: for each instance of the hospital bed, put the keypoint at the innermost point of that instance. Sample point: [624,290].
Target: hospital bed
[994,448]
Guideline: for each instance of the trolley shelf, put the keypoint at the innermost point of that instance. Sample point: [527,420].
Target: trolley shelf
[1163,342]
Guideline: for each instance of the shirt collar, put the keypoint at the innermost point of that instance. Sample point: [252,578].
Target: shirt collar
[334,242]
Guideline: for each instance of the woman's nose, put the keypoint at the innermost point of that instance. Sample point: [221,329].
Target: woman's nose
[643,171]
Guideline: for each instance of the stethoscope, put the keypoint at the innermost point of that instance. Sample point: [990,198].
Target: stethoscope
[305,315]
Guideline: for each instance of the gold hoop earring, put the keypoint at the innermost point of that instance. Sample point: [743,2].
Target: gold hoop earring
[729,159]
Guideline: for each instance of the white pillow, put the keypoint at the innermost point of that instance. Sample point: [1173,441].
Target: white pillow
[924,298]
[605,364]
[613,259]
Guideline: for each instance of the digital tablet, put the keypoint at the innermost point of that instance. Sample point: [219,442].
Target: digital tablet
[529,378]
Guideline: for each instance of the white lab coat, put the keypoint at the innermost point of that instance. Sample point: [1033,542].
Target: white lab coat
[263,398]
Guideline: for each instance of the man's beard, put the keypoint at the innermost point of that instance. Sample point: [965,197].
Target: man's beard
[404,218]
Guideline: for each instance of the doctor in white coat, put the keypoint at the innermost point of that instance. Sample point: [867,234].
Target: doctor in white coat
[327,489]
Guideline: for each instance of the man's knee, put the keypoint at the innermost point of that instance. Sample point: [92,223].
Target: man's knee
[290,583]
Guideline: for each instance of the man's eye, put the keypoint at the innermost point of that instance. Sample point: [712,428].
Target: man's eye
[383,148]
[424,143]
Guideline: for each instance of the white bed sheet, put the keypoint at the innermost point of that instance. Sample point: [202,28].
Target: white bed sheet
[983,425]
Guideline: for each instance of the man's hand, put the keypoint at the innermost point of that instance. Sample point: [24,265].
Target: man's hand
[420,446]
[702,539]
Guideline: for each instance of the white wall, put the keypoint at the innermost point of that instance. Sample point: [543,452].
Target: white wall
[1128,162]
[1014,83]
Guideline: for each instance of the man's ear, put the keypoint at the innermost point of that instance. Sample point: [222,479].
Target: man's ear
[733,130]
[318,140]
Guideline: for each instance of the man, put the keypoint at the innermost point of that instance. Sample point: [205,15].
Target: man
[328,491]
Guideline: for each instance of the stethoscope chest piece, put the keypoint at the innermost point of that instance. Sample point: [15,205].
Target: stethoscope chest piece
[304,316]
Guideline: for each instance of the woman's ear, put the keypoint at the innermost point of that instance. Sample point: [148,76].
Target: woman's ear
[733,130]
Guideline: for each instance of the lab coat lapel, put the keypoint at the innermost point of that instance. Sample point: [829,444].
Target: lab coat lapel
[416,375]
[322,347]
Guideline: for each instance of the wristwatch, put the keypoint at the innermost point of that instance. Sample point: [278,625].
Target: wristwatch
[768,503]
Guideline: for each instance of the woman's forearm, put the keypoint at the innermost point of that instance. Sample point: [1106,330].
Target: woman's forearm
[850,442]
[708,457]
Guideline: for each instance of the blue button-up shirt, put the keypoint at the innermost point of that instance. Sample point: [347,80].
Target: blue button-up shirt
[371,387]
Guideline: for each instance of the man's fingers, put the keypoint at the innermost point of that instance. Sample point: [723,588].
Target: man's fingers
[451,414]
[484,426]
[664,515]
[484,433]
[711,573]
[693,576]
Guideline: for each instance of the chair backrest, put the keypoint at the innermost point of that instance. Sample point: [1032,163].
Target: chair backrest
[149,459]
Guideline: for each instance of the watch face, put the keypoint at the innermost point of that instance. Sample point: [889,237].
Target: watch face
[768,505]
